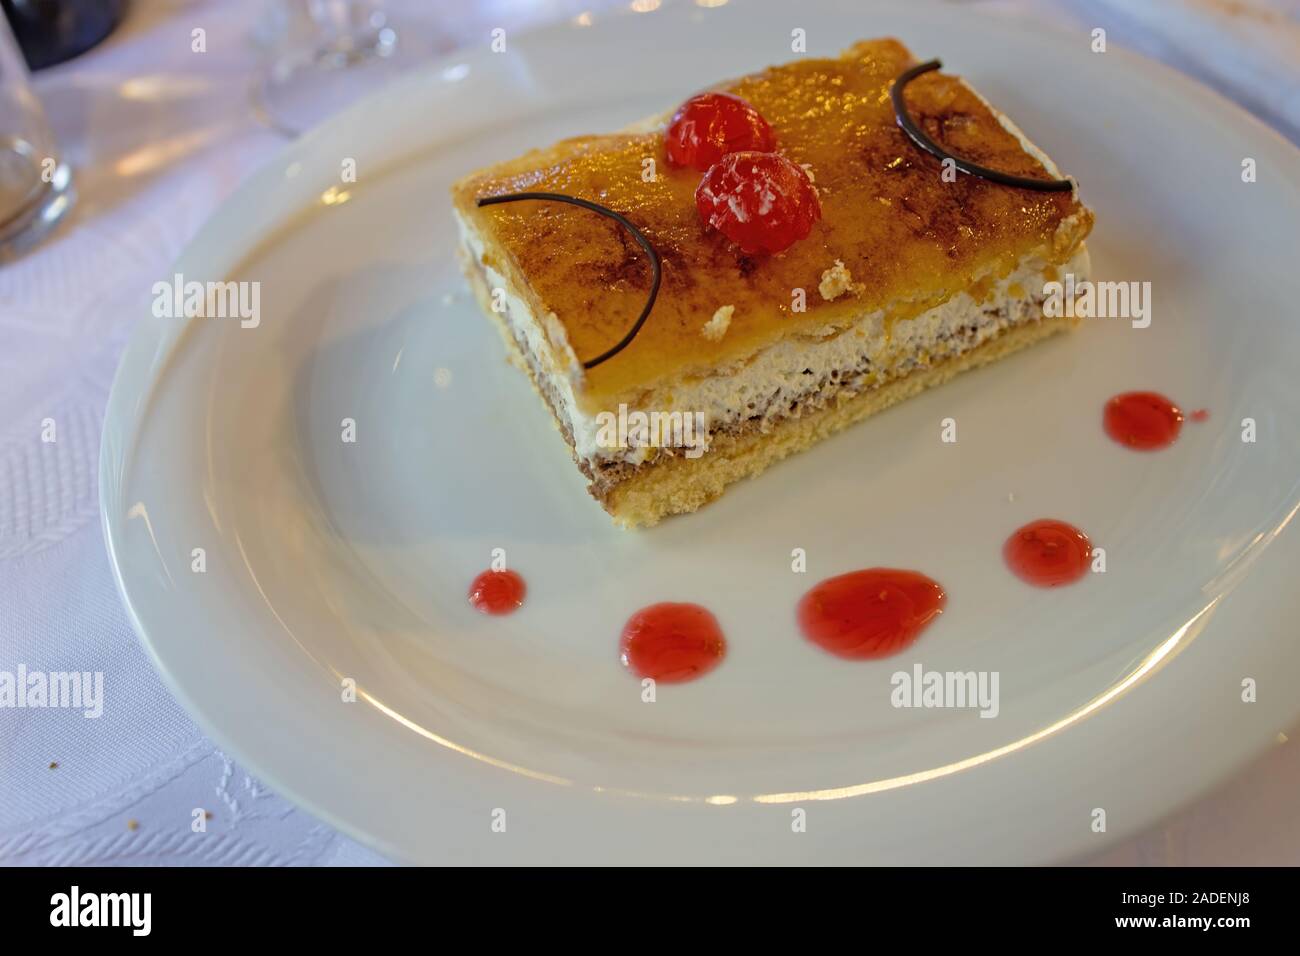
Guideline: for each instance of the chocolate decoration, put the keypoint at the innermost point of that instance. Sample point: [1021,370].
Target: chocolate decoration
[655,265]
[918,136]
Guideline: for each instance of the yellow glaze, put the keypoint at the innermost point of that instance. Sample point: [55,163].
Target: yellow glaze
[909,239]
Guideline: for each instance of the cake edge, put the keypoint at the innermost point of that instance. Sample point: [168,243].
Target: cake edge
[680,486]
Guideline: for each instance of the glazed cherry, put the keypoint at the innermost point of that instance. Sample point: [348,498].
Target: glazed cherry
[708,126]
[760,201]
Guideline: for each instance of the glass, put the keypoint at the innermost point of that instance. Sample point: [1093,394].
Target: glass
[35,182]
[324,54]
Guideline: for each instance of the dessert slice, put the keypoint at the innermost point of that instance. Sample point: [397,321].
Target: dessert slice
[805,260]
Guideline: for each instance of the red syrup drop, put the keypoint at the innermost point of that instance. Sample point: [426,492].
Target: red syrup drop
[871,613]
[1200,415]
[1048,553]
[1143,421]
[672,643]
[497,592]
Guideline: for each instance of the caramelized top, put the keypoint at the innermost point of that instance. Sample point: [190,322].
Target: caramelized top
[909,239]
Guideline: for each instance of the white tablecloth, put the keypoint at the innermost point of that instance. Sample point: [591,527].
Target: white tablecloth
[158,136]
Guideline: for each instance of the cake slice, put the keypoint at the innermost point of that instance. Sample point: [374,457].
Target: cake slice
[903,273]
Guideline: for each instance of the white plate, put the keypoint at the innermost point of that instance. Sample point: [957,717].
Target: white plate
[328,560]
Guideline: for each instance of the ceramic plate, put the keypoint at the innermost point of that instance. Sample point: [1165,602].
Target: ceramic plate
[328,564]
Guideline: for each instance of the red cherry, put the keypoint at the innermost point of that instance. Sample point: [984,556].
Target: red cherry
[708,126]
[760,201]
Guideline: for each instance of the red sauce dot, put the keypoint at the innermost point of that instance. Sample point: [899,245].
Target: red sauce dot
[1048,553]
[1142,420]
[672,643]
[871,613]
[497,592]
[1200,415]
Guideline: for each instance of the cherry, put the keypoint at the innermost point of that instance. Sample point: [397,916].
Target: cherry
[760,201]
[708,126]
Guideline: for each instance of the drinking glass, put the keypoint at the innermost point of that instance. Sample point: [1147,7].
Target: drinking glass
[324,54]
[35,183]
